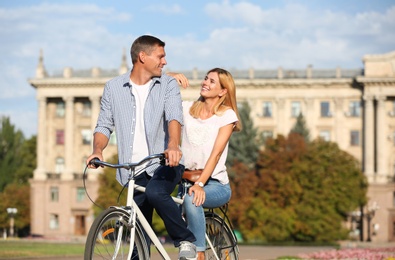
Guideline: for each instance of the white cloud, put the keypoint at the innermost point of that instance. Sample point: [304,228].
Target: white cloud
[294,35]
[229,34]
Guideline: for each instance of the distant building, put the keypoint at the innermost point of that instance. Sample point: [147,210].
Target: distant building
[352,107]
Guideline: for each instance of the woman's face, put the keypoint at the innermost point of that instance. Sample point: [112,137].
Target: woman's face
[211,87]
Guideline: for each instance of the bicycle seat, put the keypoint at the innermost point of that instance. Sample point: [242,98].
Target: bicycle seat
[191,175]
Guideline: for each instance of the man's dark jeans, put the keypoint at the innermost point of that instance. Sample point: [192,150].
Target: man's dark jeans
[158,195]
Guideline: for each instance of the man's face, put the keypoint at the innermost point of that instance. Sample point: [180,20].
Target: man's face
[155,61]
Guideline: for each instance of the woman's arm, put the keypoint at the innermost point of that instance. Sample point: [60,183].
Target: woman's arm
[180,78]
[220,143]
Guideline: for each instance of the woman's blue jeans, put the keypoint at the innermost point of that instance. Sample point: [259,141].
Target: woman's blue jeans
[217,194]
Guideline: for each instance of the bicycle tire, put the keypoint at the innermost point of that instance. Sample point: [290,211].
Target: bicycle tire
[222,238]
[100,243]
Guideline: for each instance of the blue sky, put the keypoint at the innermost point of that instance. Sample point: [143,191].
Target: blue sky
[198,34]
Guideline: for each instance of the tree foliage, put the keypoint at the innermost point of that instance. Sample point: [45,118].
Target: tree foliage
[29,161]
[17,196]
[298,192]
[301,128]
[11,142]
[17,163]
[244,146]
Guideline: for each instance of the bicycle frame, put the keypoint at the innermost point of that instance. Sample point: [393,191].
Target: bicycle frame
[149,230]
[133,210]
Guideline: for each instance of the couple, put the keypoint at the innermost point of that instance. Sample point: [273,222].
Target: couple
[145,109]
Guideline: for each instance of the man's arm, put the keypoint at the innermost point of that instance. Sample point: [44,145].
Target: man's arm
[100,142]
[173,151]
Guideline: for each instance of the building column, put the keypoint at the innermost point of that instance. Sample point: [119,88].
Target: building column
[381,135]
[69,139]
[339,123]
[280,102]
[95,101]
[310,117]
[369,138]
[39,172]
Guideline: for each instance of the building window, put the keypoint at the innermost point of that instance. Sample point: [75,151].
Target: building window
[60,137]
[60,108]
[54,194]
[113,139]
[266,134]
[54,221]
[295,109]
[325,135]
[59,165]
[86,136]
[355,108]
[267,109]
[80,194]
[86,108]
[325,109]
[354,138]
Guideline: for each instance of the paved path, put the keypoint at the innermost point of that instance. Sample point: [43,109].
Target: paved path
[265,252]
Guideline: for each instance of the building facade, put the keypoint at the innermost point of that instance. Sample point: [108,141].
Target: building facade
[354,108]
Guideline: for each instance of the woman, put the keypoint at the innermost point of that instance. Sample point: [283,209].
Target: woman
[208,124]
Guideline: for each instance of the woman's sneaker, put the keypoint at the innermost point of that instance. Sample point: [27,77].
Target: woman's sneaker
[187,251]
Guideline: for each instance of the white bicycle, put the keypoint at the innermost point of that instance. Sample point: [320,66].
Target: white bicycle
[118,232]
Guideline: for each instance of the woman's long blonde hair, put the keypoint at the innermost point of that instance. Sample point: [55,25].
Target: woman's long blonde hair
[227,101]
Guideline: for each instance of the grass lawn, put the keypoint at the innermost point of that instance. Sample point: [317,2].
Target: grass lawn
[29,248]
[26,248]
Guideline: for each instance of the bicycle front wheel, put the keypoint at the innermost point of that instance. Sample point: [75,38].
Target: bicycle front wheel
[109,237]
[222,239]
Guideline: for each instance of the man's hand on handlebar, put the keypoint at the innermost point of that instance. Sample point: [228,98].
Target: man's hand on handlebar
[90,158]
[173,156]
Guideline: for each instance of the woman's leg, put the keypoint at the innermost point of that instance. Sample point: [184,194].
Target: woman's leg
[196,222]
[217,195]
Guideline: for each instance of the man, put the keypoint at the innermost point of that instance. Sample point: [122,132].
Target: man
[144,107]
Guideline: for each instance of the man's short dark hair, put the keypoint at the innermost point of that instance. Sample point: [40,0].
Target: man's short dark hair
[144,43]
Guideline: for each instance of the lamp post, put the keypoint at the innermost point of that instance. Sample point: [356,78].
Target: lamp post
[370,211]
[357,224]
[12,212]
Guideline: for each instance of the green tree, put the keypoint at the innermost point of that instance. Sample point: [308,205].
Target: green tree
[17,196]
[11,142]
[244,145]
[333,185]
[29,161]
[299,192]
[301,128]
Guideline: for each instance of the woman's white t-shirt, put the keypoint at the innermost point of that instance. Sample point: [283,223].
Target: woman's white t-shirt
[198,138]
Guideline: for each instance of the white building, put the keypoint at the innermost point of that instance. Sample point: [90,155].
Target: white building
[354,108]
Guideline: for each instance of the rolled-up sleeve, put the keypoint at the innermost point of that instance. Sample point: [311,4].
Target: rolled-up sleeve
[173,103]
[105,121]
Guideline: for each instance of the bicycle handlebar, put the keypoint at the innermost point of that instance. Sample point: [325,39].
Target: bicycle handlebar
[128,166]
